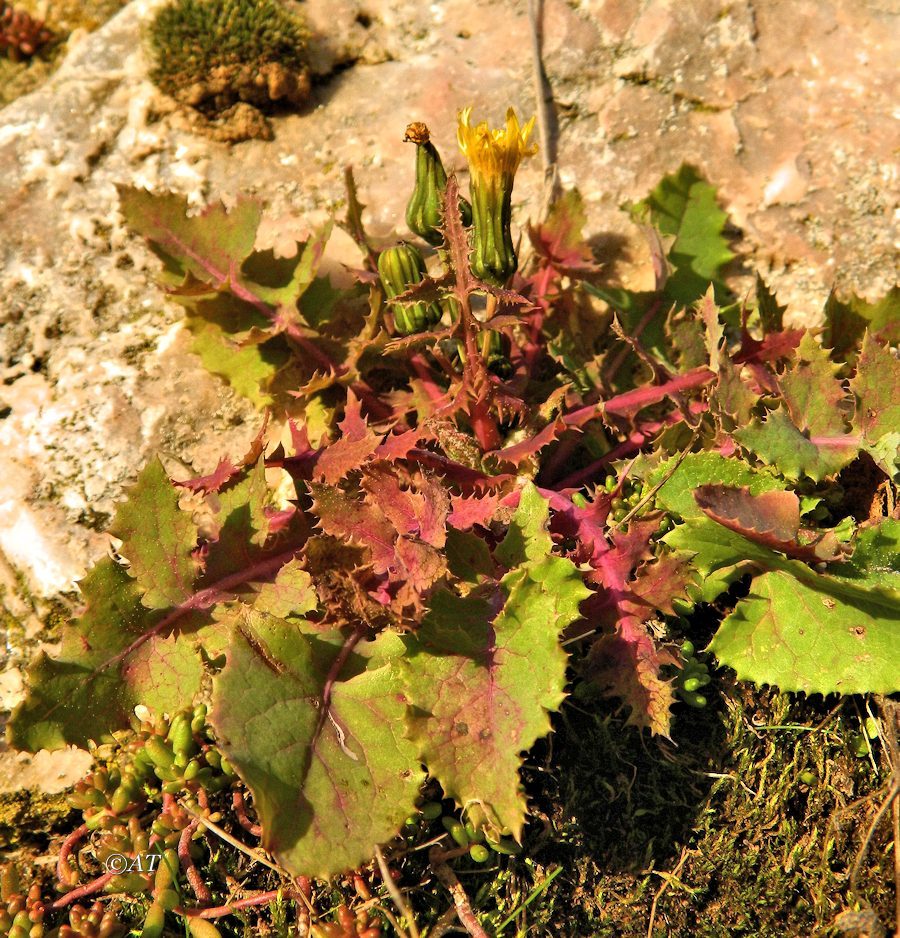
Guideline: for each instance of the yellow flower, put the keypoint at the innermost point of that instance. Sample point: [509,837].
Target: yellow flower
[498,152]
[494,156]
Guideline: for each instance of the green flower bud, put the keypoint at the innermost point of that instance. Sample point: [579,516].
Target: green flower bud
[399,268]
[423,213]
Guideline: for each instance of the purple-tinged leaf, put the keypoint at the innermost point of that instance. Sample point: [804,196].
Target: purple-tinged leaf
[778,442]
[324,754]
[223,473]
[876,385]
[211,246]
[815,398]
[484,672]
[467,511]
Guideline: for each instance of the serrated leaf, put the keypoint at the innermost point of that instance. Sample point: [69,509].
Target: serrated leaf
[731,400]
[770,313]
[684,205]
[291,594]
[356,445]
[822,634]
[715,331]
[157,539]
[467,511]
[814,396]
[771,519]
[876,385]
[847,321]
[482,680]
[626,665]
[120,652]
[777,442]
[210,245]
[419,511]
[559,237]
[281,282]
[243,526]
[329,786]
[677,493]
[249,369]
[83,693]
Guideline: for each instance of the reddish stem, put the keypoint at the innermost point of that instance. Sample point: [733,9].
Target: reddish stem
[631,401]
[64,872]
[634,442]
[187,864]
[484,426]
[88,889]
[240,812]
[218,911]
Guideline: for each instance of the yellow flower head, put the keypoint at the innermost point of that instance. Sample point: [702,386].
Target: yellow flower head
[494,153]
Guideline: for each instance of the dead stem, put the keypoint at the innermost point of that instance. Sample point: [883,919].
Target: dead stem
[464,909]
[396,895]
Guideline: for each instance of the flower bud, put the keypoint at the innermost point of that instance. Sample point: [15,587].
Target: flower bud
[399,268]
[423,213]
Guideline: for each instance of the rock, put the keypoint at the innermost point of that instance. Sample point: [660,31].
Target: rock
[96,372]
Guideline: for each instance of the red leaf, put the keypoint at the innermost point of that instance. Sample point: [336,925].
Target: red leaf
[771,519]
[559,239]
[223,473]
[356,445]
[469,511]
[626,664]
[518,453]
[420,511]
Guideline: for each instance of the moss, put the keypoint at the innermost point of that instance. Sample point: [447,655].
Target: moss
[743,845]
[213,54]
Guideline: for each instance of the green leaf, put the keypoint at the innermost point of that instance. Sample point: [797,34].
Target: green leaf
[696,469]
[281,281]
[770,313]
[249,369]
[684,206]
[81,694]
[822,634]
[290,596]
[243,525]
[876,385]
[847,321]
[211,245]
[815,398]
[777,442]
[328,786]
[800,629]
[157,539]
[127,648]
[482,682]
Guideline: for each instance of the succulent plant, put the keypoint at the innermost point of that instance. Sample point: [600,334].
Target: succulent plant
[20,34]
[214,54]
